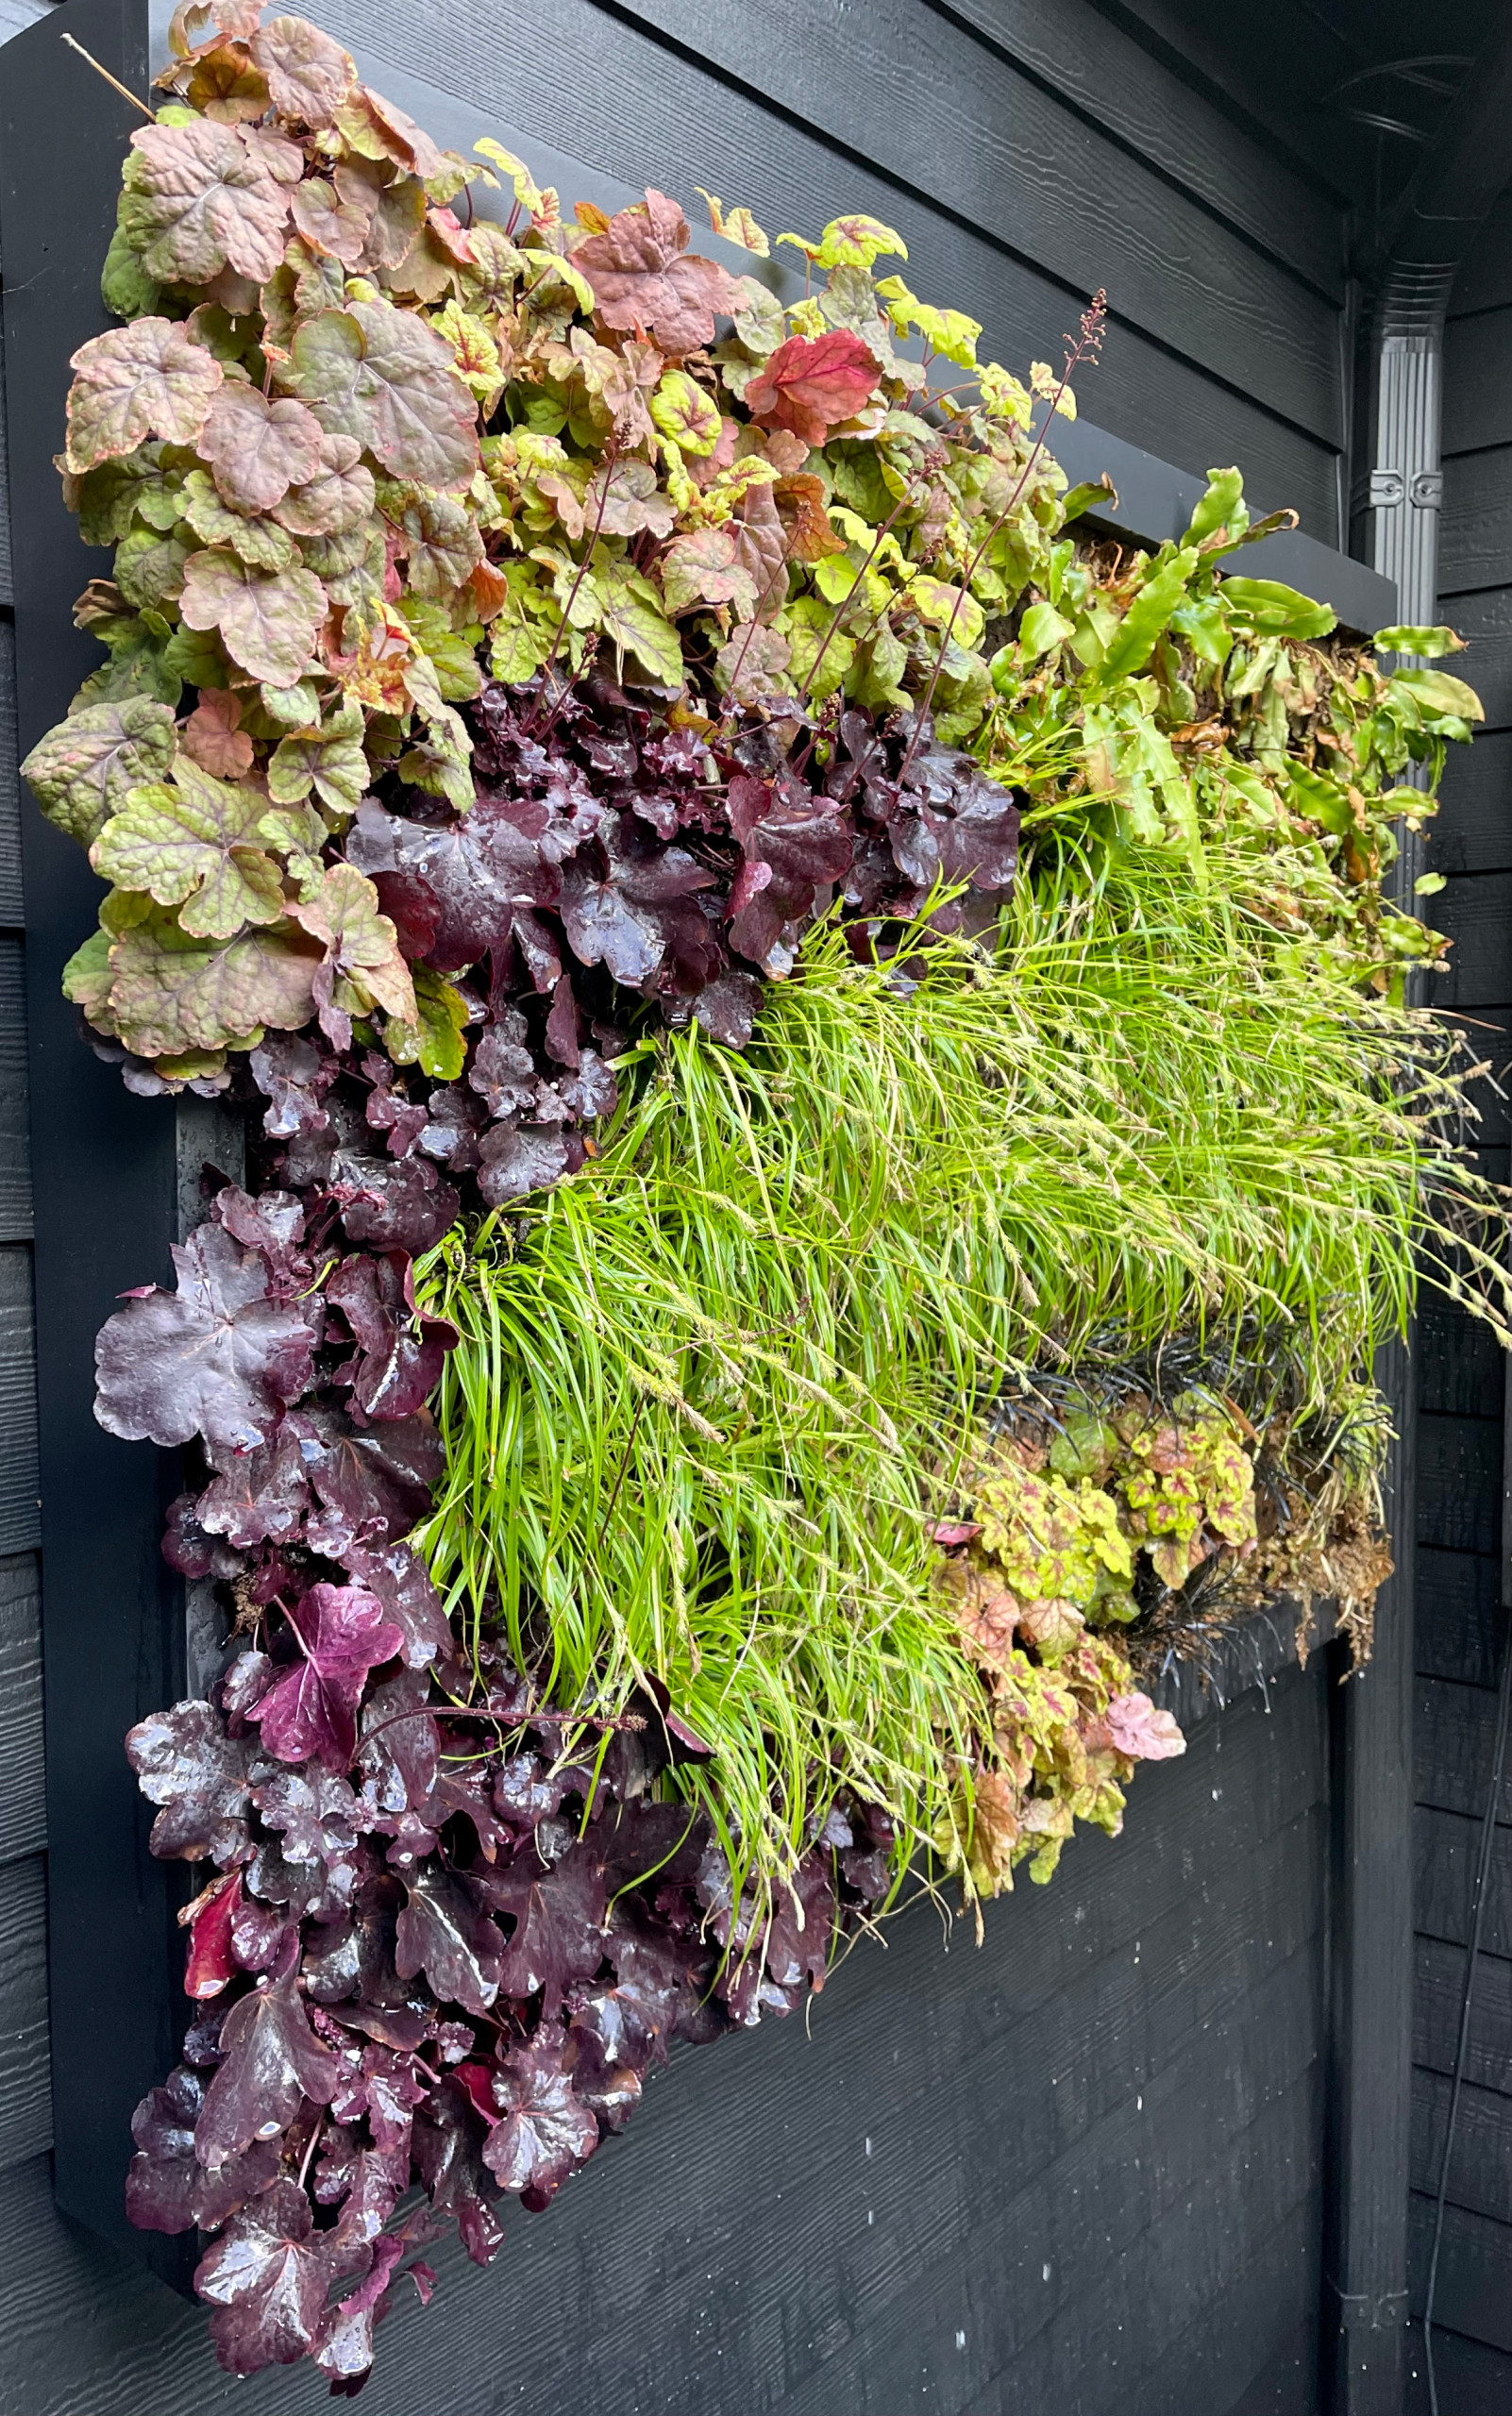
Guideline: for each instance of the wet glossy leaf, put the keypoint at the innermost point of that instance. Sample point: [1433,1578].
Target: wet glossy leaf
[446,1933]
[186,1762]
[311,1711]
[218,1357]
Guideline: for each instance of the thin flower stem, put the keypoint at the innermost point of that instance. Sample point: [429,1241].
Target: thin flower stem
[1083,348]
[113,80]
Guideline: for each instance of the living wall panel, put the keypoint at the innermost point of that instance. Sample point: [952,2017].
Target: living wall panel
[1124,2085]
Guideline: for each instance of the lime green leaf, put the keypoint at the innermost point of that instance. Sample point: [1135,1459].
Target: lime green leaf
[268,621]
[331,760]
[1041,628]
[435,1037]
[1428,884]
[194,845]
[1438,694]
[1148,617]
[1409,638]
[125,289]
[737,226]
[851,242]
[82,771]
[87,980]
[1219,507]
[683,411]
[1279,610]
[442,542]
[450,652]
[629,610]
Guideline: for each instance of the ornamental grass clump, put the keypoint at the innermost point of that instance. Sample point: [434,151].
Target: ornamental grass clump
[783,989]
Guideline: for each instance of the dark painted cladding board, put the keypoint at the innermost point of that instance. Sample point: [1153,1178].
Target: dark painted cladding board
[920,98]
[1477,401]
[1485,618]
[1456,1731]
[1121,2086]
[1480,2173]
[1461,1624]
[1475,530]
[1440,1985]
[1485,280]
[1473,828]
[1474,2381]
[1446,1845]
[639,111]
[1474,2273]
[22,1821]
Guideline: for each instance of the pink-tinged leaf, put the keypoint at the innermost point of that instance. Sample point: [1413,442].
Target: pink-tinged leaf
[386,378]
[210,1963]
[308,75]
[336,499]
[202,200]
[644,276]
[147,379]
[312,1709]
[948,1533]
[268,620]
[259,450]
[812,383]
[1136,1728]
[271,2061]
[216,1358]
[213,738]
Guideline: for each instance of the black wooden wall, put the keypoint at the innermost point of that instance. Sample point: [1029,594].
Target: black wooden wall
[1461,1627]
[1079,2170]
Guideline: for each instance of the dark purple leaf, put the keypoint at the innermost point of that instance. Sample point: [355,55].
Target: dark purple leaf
[271,2061]
[185,1761]
[294,1077]
[267,2277]
[513,1161]
[503,1069]
[727,1007]
[464,881]
[591,1091]
[400,1742]
[455,1119]
[274,1223]
[544,2132]
[314,1810]
[445,1933]
[409,1600]
[623,898]
[445,2149]
[373,1485]
[343,2347]
[393,1203]
[217,1358]
[313,1709]
[558,1911]
[188,1547]
[261,1496]
[399,1352]
[167,2188]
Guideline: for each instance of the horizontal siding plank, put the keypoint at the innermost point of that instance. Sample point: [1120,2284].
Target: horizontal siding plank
[1461,1627]
[1474,2381]
[1473,830]
[1480,2173]
[1476,527]
[1484,278]
[15,1144]
[1474,2291]
[19,1516]
[1459,1483]
[1455,1749]
[641,114]
[1475,912]
[1437,1997]
[25,2103]
[1446,1848]
[1097,70]
[1288,2386]
[954,126]
[1478,382]
[1459,1359]
[23,1811]
[1485,620]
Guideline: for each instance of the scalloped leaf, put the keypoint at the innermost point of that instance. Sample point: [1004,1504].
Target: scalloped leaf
[147,379]
[385,379]
[259,450]
[172,992]
[261,544]
[195,845]
[268,621]
[360,941]
[309,75]
[338,498]
[82,771]
[201,198]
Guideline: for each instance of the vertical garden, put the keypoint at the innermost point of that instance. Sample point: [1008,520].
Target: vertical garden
[833,1122]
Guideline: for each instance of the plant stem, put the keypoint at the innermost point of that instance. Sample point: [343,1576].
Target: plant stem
[114,80]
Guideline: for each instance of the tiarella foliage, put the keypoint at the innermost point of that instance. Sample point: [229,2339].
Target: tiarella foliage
[570,714]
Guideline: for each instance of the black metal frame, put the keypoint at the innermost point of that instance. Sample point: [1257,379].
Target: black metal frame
[112,1174]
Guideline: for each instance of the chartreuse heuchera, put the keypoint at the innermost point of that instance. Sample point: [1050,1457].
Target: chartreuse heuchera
[831,1128]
